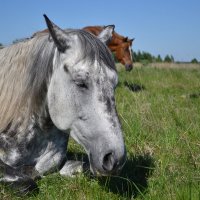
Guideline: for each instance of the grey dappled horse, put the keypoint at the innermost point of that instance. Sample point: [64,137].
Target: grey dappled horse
[52,86]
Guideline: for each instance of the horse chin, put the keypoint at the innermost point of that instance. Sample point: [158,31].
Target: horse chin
[97,173]
[93,169]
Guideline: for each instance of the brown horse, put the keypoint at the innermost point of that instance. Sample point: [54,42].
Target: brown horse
[119,45]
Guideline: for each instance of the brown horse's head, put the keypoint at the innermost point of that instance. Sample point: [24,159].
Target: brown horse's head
[122,47]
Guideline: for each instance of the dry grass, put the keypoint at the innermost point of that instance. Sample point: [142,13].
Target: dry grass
[165,65]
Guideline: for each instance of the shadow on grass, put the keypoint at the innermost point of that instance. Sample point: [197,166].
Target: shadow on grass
[195,95]
[133,87]
[133,179]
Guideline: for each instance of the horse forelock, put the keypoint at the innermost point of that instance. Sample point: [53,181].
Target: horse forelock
[94,49]
[24,71]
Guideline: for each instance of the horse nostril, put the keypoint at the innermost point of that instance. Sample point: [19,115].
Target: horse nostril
[109,162]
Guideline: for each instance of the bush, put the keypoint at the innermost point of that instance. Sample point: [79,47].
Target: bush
[194,61]
[169,59]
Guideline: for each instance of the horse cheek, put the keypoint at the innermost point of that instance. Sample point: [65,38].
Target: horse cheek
[60,108]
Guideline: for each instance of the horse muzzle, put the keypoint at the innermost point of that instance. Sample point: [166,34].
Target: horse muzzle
[109,164]
[129,67]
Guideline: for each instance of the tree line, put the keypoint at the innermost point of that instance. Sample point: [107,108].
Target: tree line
[146,57]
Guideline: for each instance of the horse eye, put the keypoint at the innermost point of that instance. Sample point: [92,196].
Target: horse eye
[81,85]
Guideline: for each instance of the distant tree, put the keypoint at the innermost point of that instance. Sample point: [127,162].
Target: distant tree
[159,59]
[172,58]
[139,56]
[146,57]
[194,61]
[135,56]
[1,46]
[153,58]
[167,59]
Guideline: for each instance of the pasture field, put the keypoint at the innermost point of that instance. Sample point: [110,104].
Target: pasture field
[161,124]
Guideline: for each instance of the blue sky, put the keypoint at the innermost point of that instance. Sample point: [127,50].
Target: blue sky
[158,26]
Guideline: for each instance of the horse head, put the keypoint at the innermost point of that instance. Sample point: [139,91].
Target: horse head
[80,95]
[122,47]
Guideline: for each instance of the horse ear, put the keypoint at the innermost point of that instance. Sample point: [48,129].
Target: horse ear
[132,39]
[106,34]
[58,35]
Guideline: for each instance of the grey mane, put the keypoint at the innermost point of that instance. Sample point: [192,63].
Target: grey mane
[25,68]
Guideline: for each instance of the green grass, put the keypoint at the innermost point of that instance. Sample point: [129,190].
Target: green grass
[161,125]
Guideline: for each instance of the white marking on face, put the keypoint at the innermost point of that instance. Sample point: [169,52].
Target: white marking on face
[130,51]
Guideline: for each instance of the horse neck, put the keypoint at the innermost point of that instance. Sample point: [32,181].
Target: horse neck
[93,29]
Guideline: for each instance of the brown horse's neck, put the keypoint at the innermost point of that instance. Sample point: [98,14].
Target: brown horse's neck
[93,29]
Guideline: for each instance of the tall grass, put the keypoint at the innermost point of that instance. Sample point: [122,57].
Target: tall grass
[161,124]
